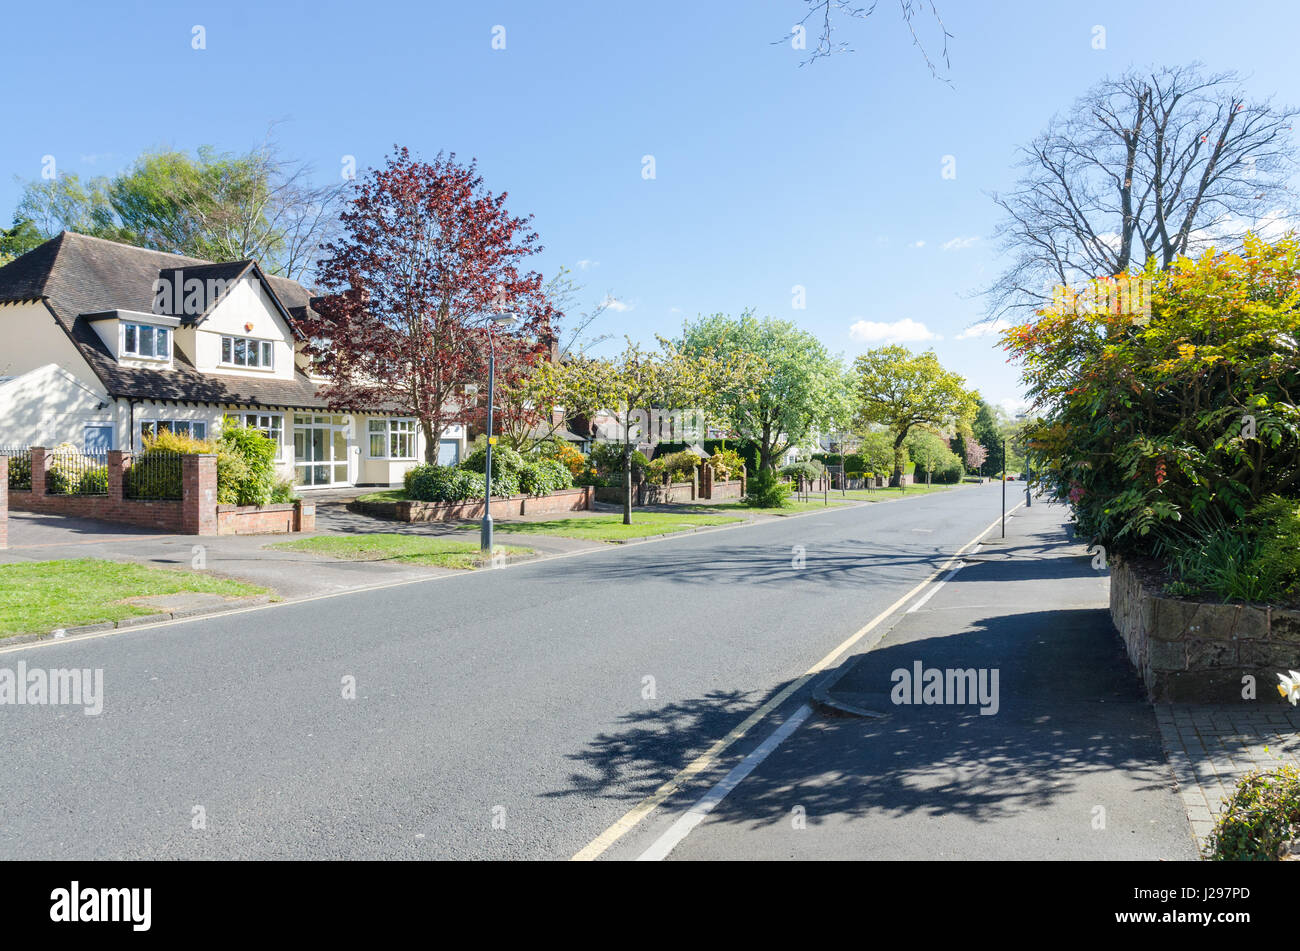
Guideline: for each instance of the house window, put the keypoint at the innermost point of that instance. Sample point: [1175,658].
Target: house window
[392,438]
[247,352]
[182,427]
[271,425]
[146,341]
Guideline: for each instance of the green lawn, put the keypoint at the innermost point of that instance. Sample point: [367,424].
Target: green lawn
[38,596]
[610,528]
[392,546]
[794,508]
[889,493]
[387,495]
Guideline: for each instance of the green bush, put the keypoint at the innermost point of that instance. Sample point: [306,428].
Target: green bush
[1261,816]
[727,464]
[766,491]
[678,466]
[1256,560]
[20,472]
[282,492]
[432,483]
[544,476]
[249,464]
[810,470]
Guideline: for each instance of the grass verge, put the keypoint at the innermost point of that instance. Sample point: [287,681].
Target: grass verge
[391,546]
[37,596]
[610,528]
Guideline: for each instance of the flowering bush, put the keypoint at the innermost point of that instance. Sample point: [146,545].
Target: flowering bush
[1187,414]
[727,464]
[678,466]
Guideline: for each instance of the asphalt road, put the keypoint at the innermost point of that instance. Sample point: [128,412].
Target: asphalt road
[497,714]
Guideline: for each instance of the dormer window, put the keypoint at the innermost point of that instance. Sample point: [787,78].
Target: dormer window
[247,352]
[146,342]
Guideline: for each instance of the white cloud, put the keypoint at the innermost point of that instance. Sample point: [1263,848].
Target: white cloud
[616,305]
[985,328]
[960,244]
[918,244]
[905,330]
[586,264]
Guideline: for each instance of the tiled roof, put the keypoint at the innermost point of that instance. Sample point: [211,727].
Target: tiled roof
[76,274]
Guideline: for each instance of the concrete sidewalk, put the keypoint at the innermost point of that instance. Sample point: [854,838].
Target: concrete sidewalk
[1066,764]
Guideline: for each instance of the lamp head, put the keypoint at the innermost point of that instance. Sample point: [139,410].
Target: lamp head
[504,321]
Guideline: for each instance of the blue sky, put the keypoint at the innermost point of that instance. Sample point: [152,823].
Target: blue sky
[767,175]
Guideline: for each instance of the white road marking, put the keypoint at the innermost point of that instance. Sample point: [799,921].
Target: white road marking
[693,816]
[934,588]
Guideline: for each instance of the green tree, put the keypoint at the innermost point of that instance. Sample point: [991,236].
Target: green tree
[636,384]
[800,387]
[901,390]
[18,240]
[988,429]
[210,205]
[930,452]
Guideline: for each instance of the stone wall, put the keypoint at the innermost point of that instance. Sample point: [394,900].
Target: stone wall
[1196,652]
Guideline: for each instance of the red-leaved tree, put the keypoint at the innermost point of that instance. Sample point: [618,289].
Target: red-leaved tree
[427,253]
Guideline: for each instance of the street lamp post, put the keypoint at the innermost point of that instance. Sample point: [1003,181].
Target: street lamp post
[505,322]
[1004,487]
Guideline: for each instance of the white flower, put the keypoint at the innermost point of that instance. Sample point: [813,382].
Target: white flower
[1289,688]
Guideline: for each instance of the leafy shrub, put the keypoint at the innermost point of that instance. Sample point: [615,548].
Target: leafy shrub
[1261,816]
[544,476]
[1149,423]
[282,492]
[678,466]
[20,471]
[727,464]
[249,464]
[433,483]
[565,453]
[71,472]
[809,471]
[766,491]
[607,459]
[1256,560]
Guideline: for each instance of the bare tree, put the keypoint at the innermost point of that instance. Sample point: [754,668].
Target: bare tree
[823,14]
[1150,165]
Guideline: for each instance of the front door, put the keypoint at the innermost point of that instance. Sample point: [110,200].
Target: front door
[320,450]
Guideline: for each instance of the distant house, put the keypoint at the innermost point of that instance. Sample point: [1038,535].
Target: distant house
[105,344]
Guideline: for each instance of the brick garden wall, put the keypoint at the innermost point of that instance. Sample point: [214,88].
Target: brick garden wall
[566,500]
[194,513]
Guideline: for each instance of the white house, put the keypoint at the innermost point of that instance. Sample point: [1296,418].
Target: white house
[102,344]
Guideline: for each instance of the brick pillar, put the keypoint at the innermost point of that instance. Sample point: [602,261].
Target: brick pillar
[4,501]
[304,516]
[39,463]
[199,494]
[117,463]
